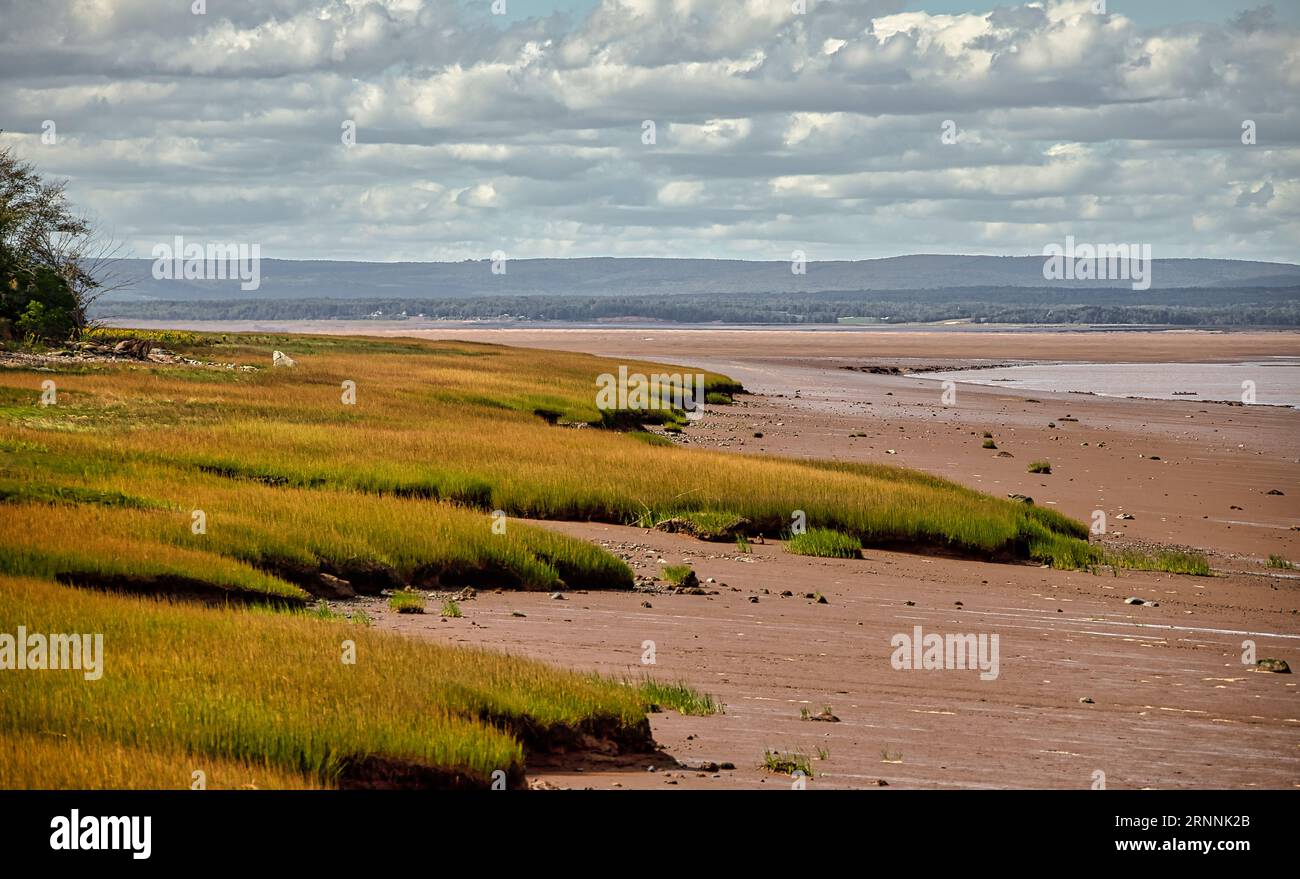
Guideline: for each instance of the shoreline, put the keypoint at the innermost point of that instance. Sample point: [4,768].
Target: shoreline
[1187,475]
[922,343]
[1154,695]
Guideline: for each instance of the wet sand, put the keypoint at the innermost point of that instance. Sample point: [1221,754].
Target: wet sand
[1172,704]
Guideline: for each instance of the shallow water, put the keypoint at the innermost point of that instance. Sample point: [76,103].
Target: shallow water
[1276,382]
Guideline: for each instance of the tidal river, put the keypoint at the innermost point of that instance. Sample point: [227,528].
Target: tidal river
[1274,382]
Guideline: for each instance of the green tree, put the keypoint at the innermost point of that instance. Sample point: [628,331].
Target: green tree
[47,268]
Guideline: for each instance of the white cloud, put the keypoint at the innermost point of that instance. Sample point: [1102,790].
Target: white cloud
[774,129]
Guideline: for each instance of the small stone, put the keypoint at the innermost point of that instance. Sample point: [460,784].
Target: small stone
[556,596]
[1277,666]
[1086,700]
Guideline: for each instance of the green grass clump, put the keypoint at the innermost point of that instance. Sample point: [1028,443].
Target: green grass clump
[989,444]
[406,601]
[702,524]
[787,763]
[1040,467]
[678,697]
[1168,561]
[678,575]
[650,439]
[322,611]
[451,609]
[1277,561]
[824,542]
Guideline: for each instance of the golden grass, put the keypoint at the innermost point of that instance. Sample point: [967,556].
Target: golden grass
[281,464]
[102,490]
[32,761]
[273,690]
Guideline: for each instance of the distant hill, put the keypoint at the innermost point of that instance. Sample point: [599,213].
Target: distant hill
[601,277]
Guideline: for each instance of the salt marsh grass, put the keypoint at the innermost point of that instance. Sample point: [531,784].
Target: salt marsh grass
[824,542]
[256,489]
[274,690]
[454,422]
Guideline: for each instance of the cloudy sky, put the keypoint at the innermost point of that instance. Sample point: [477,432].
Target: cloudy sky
[856,129]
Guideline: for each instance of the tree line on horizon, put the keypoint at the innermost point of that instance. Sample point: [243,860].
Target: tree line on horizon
[1263,307]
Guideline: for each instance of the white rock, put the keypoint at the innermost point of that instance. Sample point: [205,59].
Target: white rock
[279,358]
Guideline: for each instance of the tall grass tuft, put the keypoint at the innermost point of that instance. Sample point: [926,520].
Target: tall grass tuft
[1168,561]
[824,542]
